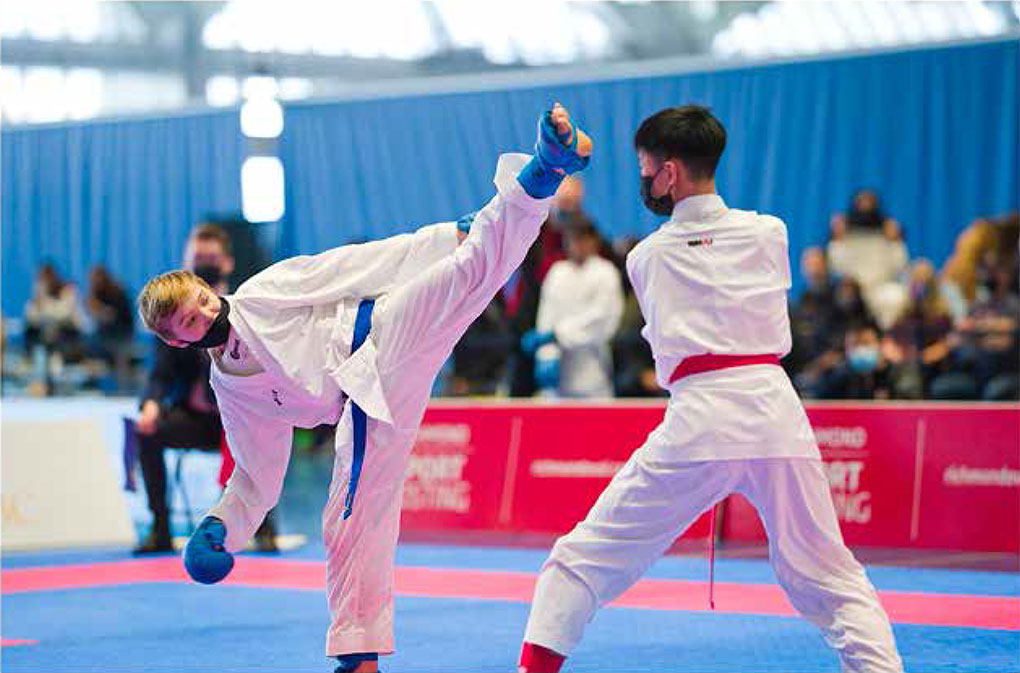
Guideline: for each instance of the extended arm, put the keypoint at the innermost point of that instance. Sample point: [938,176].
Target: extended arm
[261,450]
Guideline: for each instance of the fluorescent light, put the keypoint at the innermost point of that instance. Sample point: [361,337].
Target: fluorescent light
[262,189]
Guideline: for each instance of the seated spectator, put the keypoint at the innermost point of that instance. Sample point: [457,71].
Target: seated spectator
[919,346]
[851,309]
[633,364]
[480,357]
[110,309]
[868,246]
[53,317]
[988,339]
[815,379]
[864,373]
[958,275]
[521,292]
[520,307]
[814,325]
[178,408]
[578,313]
[568,206]
[865,215]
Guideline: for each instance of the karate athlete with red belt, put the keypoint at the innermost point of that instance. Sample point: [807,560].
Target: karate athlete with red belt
[354,336]
[712,284]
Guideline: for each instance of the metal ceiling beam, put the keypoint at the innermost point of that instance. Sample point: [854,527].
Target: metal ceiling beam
[163,59]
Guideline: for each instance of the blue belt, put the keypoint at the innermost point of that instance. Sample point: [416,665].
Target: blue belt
[362,326]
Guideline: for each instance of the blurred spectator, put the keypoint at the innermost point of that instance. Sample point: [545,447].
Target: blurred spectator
[579,311]
[819,323]
[988,341]
[864,215]
[479,358]
[959,274]
[53,316]
[110,310]
[633,363]
[568,207]
[864,373]
[851,309]
[868,246]
[178,408]
[815,324]
[918,344]
[520,294]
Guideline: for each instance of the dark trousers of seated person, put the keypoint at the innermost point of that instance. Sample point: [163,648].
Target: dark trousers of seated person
[177,427]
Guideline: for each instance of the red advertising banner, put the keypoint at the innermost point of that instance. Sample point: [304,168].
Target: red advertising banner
[901,475]
[968,493]
[457,471]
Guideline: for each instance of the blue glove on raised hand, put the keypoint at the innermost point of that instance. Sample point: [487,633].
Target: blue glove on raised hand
[547,373]
[560,144]
[532,340]
[561,149]
[205,558]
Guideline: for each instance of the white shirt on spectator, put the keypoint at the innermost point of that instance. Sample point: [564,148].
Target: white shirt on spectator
[582,304]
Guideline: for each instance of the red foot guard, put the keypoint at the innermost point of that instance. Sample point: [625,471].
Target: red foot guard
[538,659]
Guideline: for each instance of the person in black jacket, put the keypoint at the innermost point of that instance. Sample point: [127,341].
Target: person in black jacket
[178,409]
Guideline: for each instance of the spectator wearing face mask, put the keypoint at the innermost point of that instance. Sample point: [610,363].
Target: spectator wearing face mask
[865,374]
[178,409]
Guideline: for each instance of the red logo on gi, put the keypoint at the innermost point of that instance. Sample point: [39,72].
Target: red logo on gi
[699,241]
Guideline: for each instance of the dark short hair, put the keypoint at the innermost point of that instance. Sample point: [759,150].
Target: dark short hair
[689,133]
[582,227]
[212,232]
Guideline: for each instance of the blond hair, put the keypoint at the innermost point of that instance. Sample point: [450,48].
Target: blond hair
[163,295]
[972,243]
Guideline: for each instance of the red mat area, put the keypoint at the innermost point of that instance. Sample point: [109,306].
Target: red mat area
[904,607]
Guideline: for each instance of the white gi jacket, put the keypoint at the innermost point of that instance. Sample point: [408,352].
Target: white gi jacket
[582,304]
[714,280]
[297,319]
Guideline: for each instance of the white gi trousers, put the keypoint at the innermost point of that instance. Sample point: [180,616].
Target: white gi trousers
[650,502]
[414,330]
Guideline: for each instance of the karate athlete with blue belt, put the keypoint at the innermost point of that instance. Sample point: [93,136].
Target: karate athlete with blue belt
[353,336]
[712,284]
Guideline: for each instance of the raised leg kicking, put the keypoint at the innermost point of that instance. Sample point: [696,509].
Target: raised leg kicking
[355,336]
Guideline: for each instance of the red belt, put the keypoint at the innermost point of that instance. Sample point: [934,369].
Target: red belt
[698,364]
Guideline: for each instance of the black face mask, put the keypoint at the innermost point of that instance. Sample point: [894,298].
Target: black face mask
[660,205]
[219,330]
[210,273]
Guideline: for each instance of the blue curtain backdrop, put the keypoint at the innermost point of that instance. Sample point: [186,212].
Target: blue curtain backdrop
[119,193]
[935,131]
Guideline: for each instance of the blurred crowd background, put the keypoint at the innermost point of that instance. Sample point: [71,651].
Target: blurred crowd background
[129,126]
[872,321]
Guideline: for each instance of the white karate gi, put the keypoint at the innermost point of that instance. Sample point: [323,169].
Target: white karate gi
[581,304]
[714,280]
[297,319]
